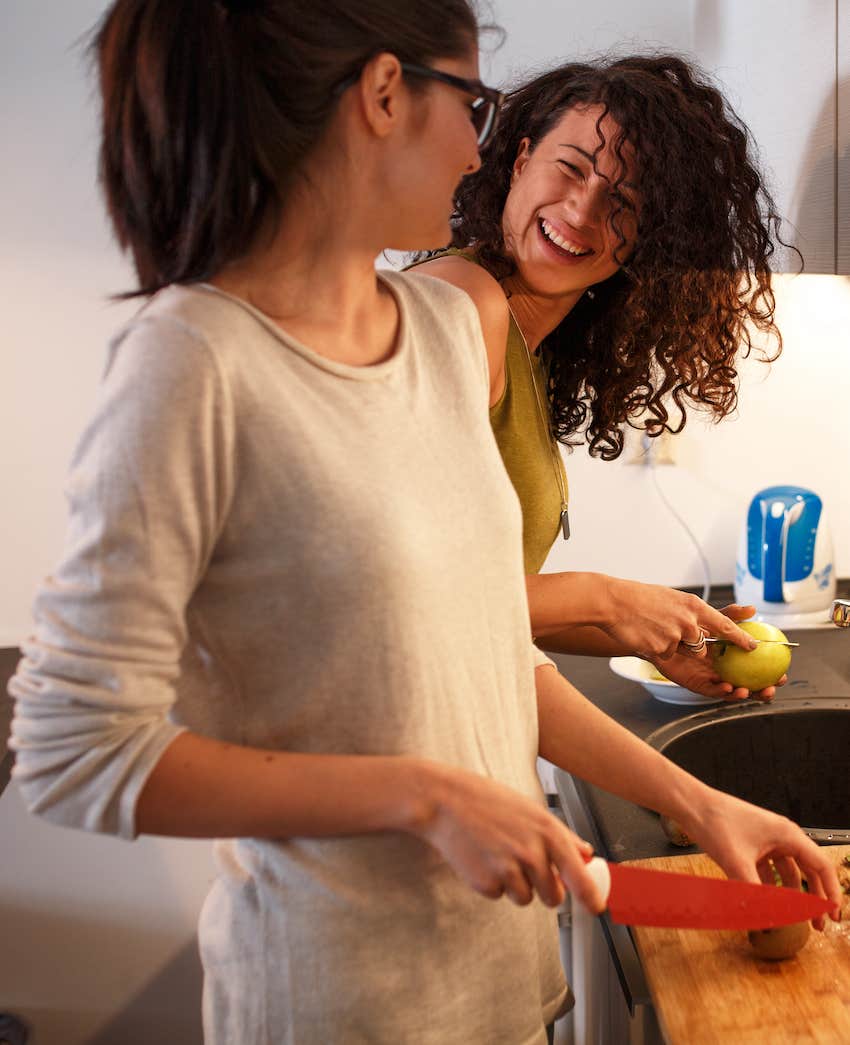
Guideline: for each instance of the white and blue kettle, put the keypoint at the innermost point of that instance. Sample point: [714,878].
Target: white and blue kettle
[785,564]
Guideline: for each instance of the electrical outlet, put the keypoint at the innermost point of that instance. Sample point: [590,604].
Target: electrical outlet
[655,450]
[662,447]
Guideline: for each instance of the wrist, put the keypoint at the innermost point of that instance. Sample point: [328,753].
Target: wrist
[691,803]
[420,785]
[613,599]
[604,599]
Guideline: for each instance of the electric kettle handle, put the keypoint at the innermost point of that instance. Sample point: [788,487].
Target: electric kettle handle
[773,563]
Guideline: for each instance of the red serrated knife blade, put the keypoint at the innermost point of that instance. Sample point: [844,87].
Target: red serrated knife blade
[640,896]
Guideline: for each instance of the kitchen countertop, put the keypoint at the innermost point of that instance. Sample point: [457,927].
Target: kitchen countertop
[620,830]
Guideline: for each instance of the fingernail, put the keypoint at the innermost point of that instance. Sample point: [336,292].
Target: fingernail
[753,644]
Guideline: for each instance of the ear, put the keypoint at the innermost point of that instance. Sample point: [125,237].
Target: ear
[380,92]
[523,155]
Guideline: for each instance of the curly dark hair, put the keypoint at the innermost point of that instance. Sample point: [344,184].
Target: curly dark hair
[665,330]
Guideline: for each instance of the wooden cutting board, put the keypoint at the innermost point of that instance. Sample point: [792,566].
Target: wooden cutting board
[709,988]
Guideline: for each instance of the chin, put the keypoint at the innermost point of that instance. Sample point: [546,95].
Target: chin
[551,284]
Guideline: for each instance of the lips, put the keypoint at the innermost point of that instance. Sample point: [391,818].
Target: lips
[564,245]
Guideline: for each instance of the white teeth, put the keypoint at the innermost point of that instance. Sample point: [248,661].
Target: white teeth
[559,241]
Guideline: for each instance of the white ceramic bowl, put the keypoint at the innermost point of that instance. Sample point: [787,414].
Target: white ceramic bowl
[636,670]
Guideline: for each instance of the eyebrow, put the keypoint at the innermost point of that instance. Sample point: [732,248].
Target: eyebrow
[569,145]
[590,158]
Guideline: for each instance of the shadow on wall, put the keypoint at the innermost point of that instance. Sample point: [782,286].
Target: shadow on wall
[95,961]
[815,191]
[144,1018]
[806,226]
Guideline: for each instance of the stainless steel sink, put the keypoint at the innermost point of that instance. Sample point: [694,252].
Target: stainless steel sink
[793,758]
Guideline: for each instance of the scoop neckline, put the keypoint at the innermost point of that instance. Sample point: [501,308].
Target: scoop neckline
[366,372]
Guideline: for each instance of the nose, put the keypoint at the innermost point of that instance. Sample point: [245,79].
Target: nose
[587,203]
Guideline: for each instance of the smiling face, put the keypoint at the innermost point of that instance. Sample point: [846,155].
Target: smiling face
[563,221]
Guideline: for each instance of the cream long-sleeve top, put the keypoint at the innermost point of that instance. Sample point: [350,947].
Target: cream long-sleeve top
[283,551]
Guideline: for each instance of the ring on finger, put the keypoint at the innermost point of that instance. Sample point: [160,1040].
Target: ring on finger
[695,647]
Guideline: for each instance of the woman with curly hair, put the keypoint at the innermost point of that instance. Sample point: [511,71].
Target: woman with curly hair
[616,241]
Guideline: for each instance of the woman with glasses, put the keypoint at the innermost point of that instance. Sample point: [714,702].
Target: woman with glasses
[279,620]
[616,240]
[268,623]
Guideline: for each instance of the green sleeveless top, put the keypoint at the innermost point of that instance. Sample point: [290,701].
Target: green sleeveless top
[531,455]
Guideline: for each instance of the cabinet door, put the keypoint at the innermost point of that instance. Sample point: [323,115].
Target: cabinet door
[842,156]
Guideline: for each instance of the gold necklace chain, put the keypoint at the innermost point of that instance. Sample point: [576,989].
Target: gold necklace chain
[559,478]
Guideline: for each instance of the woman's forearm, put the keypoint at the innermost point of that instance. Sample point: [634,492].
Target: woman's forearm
[205,788]
[578,737]
[496,839]
[559,601]
[649,620]
[582,640]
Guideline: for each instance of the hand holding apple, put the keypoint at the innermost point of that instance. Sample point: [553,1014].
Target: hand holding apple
[696,672]
[753,669]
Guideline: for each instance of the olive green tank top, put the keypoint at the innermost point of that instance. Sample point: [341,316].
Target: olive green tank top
[531,455]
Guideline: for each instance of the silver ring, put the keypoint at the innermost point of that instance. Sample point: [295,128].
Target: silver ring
[695,647]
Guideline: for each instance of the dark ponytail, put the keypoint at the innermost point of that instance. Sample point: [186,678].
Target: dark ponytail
[209,109]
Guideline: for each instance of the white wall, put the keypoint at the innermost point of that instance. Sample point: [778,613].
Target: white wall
[100,934]
[540,33]
[777,64]
[57,270]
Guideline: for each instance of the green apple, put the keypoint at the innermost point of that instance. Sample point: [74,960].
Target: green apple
[753,669]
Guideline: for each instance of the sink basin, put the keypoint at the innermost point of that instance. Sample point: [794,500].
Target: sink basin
[792,759]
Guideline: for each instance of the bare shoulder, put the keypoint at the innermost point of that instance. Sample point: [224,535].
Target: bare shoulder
[492,305]
[484,290]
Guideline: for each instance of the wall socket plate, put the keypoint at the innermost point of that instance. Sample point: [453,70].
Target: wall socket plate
[653,450]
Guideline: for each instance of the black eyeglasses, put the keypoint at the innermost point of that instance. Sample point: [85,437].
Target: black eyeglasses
[486,103]
[485,106]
